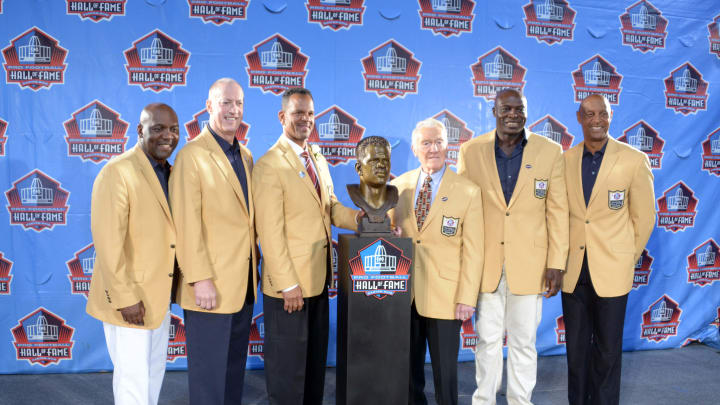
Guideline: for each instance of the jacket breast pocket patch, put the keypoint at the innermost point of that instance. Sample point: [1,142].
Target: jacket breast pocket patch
[449,226]
[616,199]
[541,186]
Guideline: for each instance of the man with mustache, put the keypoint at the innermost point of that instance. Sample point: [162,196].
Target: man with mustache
[211,194]
[522,178]
[612,214]
[134,237]
[295,204]
[442,213]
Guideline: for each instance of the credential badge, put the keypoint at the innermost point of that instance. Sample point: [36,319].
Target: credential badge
[616,199]
[449,226]
[541,186]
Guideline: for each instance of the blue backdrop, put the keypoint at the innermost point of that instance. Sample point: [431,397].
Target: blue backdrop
[77,74]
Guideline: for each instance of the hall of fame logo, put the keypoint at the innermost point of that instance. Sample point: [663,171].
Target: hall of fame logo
[710,153]
[275,65]
[3,137]
[96,10]
[560,330]
[457,134]
[157,62]
[200,121]
[43,338]
[643,137]
[685,90]
[677,208]
[333,288]
[446,17]
[468,334]
[704,264]
[549,21]
[37,202]
[335,14]
[81,269]
[35,60]
[256,344]
[177,341]
[643,269]
[95,132]
[391,70]
[597,76]
[5,276]
[552,129]
[643,27]
[714,36]
[495,71]
[661,320]
[218,11]
[336,133]
[380,269]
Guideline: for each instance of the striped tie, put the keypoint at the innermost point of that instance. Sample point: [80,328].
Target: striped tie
[311,171]
[422,205]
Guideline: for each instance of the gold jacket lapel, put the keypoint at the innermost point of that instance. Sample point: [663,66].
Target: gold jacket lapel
[606,167]
[149,173]
[225,167]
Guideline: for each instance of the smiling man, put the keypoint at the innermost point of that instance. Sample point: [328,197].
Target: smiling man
[295,206]
[134,236]
[211,196]
[612,214]
[522,178]
[442,213]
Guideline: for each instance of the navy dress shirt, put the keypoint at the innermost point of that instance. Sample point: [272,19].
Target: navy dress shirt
[509,166]
[162,170]
[232,151]
[590,167]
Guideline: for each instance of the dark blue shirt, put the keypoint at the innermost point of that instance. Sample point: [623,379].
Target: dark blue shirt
[162,170]
[509,166]
[232,151]
[590,167]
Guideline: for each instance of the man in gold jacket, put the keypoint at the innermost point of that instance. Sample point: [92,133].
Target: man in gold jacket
[442,213]
[211,196]
[612,213]
[296,205]
[522,178]
[134,239]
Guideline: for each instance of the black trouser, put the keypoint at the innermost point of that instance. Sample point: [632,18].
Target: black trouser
[295,350]
[443,338]
[593,335]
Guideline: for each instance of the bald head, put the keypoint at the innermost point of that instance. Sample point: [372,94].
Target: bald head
[158,131]
[595,98]
[510,112]
[225,107]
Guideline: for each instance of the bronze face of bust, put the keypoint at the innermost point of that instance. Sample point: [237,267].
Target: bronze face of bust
[373,195]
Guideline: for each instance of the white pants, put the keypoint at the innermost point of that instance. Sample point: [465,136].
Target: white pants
[520,316]
[139,357]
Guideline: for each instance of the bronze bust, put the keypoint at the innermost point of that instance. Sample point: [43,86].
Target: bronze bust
[373,195]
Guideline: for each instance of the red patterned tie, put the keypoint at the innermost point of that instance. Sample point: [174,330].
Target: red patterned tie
[422,205]
[311,171]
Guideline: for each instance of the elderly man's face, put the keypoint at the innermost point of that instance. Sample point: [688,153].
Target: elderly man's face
[431,149]
[225,107]
[374,167]
[594,116]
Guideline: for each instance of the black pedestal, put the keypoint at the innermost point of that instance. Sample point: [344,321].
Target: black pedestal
[373,348]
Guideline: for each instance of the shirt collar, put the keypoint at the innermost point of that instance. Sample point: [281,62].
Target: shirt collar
[601,152]
[224,145]
[155,164]
[436,177]
[522,143]
[295,147]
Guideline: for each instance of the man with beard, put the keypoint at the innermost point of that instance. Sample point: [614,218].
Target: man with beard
[134,237]
[295,203]
[522,178]
[211,195]
[612,214]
